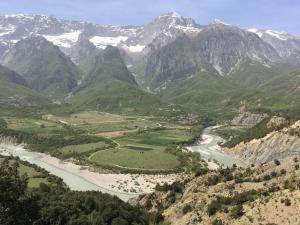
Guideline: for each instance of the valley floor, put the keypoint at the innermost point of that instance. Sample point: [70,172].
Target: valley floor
[116,182]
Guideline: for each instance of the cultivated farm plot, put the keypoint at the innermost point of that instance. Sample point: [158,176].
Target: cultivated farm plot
[101,124]
[143,150]
[79,149]
[34,126]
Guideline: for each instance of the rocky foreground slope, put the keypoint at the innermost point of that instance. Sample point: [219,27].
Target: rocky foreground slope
[266,194]
[275,145]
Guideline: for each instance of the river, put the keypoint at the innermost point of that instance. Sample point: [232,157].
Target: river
[209,149]
[74,181]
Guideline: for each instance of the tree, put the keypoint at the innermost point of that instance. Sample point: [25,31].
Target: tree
[16,207]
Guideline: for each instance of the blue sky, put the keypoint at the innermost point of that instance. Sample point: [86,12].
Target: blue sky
[282,15]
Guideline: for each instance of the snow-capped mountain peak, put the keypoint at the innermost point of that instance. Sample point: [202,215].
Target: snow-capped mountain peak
[218,21]
[19,16]
[171,14]
[256,31]
[283,36]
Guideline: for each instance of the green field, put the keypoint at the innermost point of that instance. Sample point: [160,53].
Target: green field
[154,159]
[129,141]
[143,150]
[82,148]
[93,122]
[34,126]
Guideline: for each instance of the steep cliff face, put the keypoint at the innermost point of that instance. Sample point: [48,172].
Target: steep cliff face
[248,119]
[275,145]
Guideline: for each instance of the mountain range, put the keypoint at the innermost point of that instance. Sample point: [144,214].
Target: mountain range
[170,60]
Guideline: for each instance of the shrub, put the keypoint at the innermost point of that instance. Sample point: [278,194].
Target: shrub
[296,159]
[186,209]
[217,222]
[201,171]
[213,207]
[287,202]
[237,211]
[283,171]
[267,177]
[273,174]
[277,162]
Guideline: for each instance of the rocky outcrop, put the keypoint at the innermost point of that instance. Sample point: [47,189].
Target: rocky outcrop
[248,119]
[201,201]
[276,145]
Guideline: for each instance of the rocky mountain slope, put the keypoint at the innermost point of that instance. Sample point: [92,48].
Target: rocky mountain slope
[276,145]
[219,48]
[286,45]
[111,87]
[43,65]
[266,194]
[11,76]
[132,39]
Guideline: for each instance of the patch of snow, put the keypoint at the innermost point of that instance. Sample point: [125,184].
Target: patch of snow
[129,66]
[256,31]
[4,30]
[14,41]
[19,16]
[217,21]
[188,29]
[218,68]
[134,48]
[171,14]
[65,40]
[103,42]
[279,35]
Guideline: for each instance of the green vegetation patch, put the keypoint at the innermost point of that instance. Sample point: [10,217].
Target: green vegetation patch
[144,150]
[82,148]
[128,158]
[34,126]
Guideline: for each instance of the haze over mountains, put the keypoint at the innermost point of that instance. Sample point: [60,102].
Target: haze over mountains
[214,65]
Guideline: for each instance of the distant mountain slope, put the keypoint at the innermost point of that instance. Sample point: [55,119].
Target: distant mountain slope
[11,76]
[44,66]
[17,99]
[286,45]
[108,64]
[111,87]
[205,93]
[83,54]
[218,48]
[134,40]
[254,87]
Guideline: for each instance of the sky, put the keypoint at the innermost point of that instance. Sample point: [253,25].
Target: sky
[281,15]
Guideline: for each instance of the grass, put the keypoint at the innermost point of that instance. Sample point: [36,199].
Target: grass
[34,126]
[143,150]
[81,148]
[154,159]
[93,122]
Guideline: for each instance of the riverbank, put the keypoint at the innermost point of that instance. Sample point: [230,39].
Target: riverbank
[82,178]
[124,183]
[211,152]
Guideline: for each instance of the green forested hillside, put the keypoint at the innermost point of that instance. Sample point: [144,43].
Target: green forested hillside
[53,203]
